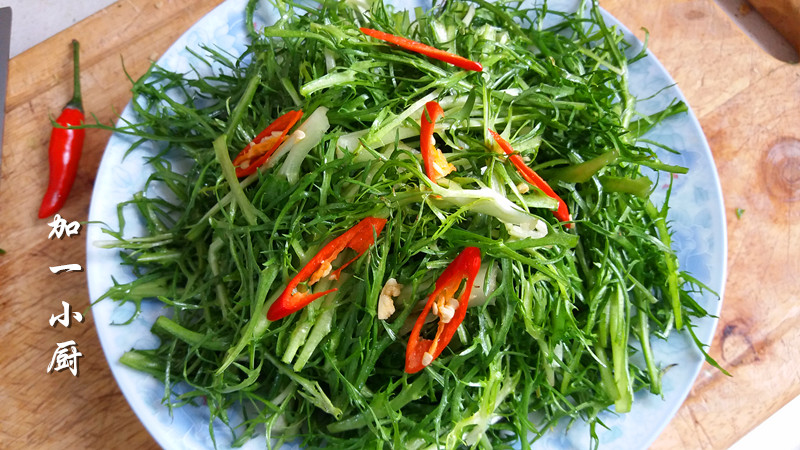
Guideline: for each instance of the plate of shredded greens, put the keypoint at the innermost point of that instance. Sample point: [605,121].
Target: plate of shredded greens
[372,225]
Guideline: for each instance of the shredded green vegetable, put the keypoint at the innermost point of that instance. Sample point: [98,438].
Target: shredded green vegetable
[557,310]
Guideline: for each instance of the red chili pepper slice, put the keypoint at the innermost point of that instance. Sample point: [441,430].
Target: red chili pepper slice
[258,151]
[66,146]
[562,213]
[359,238]
[420,352]
[426,50]
[436,166]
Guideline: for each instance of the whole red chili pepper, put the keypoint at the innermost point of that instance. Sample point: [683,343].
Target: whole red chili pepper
[359,238]
[562,213]
[66,146]
[427,50]
[258,151]
[436,166]
[421,352]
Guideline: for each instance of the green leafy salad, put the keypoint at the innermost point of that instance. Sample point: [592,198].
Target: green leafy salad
[404,229]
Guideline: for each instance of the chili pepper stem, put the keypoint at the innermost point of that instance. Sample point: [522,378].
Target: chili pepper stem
[66,146]
[77,100]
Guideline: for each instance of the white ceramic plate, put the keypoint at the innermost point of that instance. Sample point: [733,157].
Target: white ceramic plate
[696,216]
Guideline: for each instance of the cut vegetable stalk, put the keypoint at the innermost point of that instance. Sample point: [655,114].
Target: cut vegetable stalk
[229,172]
[583,172]
[307,136]
[619,317]
[255,326]
[321,328]
[670,260]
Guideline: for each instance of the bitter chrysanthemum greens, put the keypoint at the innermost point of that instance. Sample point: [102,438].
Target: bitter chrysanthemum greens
[554,309]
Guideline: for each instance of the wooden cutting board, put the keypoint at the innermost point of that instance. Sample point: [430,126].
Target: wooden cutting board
[747,103]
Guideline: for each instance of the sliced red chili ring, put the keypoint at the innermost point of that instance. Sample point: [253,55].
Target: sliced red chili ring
[358,238]
[420,351]
[436,166]
[562,213]
[258,151]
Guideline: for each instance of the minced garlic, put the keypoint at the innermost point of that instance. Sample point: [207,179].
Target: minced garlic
[386,302]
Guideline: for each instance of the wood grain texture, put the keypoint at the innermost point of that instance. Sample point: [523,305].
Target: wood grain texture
[745,101]
[783,15]
[57,410]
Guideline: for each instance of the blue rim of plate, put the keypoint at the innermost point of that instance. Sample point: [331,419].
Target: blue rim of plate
[697,218]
